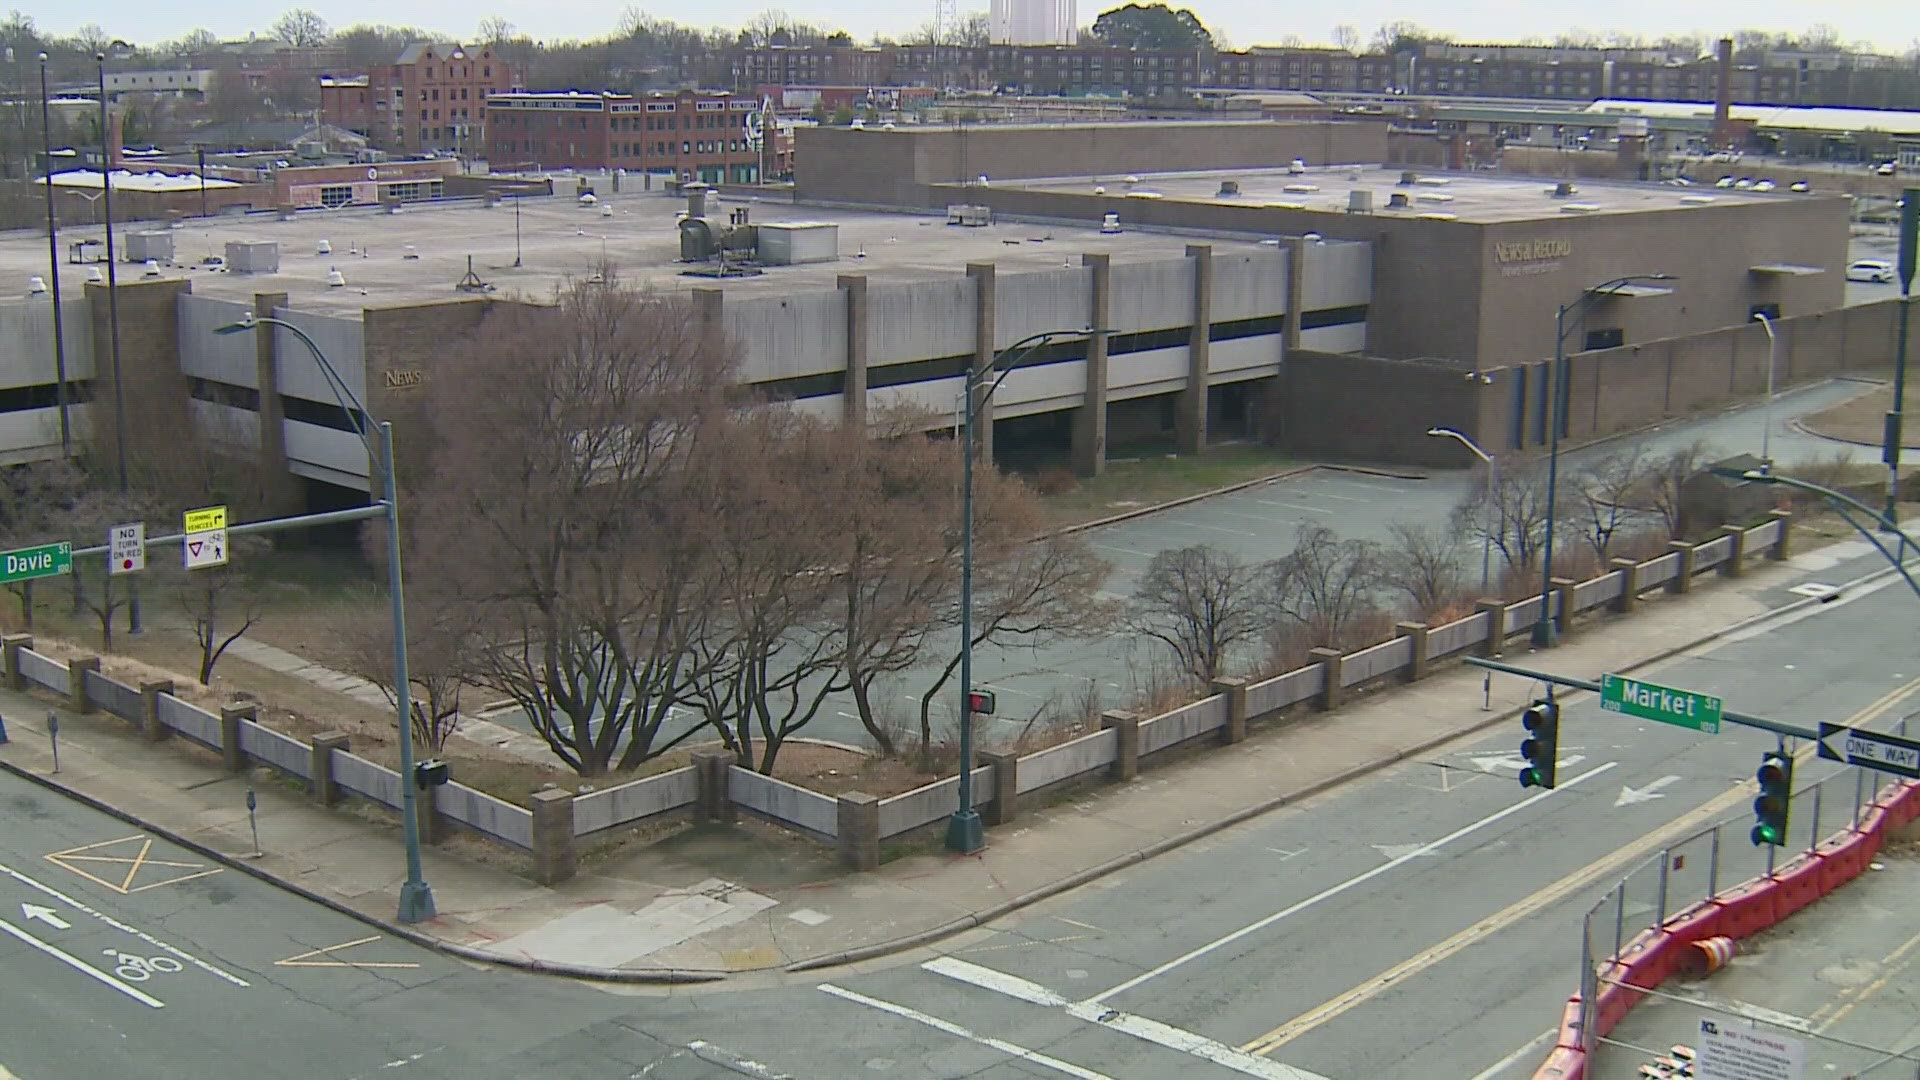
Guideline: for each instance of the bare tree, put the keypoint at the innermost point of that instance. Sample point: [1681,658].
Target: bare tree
[1423,563]
[1517,524]
[1323,585]
[302,28]
[564,460]
[1200,602]
[1664,477]
[36,503]
[495,29]
[219,606]
[1346,38]
[1603,494]
[440,633]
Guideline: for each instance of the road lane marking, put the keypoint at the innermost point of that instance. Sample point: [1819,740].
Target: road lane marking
[30,912]
[82,966]
[1140,1027]
[1508,1062]
[307,959]
[732,1062]
[1358,879]
[84,909]
[1896,963]
[934,1022]
[134,863]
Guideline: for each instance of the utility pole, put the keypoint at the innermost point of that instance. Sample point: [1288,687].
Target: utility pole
[1909,238]
[113,325]
[53,271]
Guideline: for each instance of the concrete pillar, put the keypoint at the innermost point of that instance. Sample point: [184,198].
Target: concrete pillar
[709,310]
[150,725]
[426,817]
[1629,598]
[1333,663]
[983,352]
[1296,296]
[1126,729]
[1190,417]
[320,786]
[1417,668]
[853,393]
[554,858]
[1235,688]
[1090,419]
[1736,563]
[230,717]
[1681,582]
[1781,548]
[77,668]
[1006,786]
[285,491]
[1563,602]
[858,829]
[1496,627]
[710,777]
[10,647]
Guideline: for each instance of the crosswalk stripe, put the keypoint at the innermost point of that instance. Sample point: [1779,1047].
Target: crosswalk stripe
[957,1031]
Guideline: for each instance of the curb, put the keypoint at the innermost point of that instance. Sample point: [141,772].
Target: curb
[653,976]
[1161,847]
[1174,504]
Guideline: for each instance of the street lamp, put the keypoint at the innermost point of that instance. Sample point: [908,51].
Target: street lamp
[1486,532]
[965,833]
[1773,361]
[1841,502]
[53,270]
[1544,634]
[416,897]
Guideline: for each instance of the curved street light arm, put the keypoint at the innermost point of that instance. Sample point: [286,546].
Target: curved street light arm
[343,394]
[1842,502]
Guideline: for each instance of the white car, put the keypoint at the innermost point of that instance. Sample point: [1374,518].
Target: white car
[1764,185]
[1875,270]
[1887,168]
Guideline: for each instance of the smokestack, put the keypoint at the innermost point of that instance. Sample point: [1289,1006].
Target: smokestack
[116,138]
[1723,95]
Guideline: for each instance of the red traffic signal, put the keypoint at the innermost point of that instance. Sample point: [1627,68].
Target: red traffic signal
[980,702]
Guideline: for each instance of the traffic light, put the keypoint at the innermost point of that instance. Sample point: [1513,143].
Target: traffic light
[980,702]
[1776,796]
[1542,745]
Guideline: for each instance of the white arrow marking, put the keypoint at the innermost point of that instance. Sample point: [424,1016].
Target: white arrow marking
[45,915]
[1629,796]
[1515,762]
[1402,851]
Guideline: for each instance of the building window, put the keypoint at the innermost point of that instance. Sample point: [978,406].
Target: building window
[334,196]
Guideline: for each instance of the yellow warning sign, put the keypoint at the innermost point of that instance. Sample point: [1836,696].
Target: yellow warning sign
[127,865]
[327,957]
[206,520]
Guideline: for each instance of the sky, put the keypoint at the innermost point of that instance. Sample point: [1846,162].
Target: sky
[1893,25]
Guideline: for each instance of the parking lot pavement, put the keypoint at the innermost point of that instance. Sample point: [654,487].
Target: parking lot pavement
[1840,978]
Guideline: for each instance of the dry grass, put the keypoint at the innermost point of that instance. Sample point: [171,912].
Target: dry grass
[1862,419]
[1154,477]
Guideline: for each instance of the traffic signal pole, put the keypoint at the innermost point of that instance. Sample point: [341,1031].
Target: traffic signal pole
[1568,682]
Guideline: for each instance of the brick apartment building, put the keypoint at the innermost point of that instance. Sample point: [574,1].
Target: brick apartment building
[695,135]
[432,97]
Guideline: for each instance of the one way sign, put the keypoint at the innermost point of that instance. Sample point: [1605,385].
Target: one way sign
[1870,750]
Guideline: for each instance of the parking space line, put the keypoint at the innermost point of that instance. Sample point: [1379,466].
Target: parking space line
[77,905]
[1123,551]
[1022,1053]
[1217,528]
[1294,506]
[82,966]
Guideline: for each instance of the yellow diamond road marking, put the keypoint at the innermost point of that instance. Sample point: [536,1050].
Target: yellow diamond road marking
[320,958]
[135,857]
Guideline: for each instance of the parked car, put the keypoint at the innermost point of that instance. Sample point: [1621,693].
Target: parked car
[1743,183]
[1724,182]
[1801,187]
[1887,168]
[1874,270]
[1764,185]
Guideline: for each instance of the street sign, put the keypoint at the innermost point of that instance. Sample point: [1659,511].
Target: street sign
[1870,749]
[25,564]
[1732,1051]
[127,548]
[1650,701]
[207,520]
[206,540]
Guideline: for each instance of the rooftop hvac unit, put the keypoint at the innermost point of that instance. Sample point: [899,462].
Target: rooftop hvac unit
[1563,190]
[1360,201]
[253,257]
[792,243]
[1579,208]
[1398,201]
[1409,178]
[971,216]
[1228,189]
[156,244]
[1110,223]
[1301,189]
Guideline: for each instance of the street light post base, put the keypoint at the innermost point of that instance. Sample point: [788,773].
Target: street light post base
[416,902]
[1544,634]
[966,833]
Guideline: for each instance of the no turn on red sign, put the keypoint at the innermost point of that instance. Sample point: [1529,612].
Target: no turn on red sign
[127,548]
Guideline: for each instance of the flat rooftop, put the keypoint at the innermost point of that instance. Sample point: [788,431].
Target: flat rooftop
[1482,198]
[421,253]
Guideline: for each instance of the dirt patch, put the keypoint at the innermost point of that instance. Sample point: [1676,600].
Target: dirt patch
[1863,419]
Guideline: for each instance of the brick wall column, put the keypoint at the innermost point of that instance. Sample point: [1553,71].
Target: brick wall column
[1235,688]
[1126,729]
[230,717]
[1629,597]
[711,802]
[859,830]
[150,725]
[1736,562]
[853,394]
[1296,296]
[10,647]
[320,786]
[1496,627]
[554,858]
[77,668]
[1782,549]
[1005,803]
[1333,663]
[1090,419]
[1417,668]
[983,354]
[1190,418]
[1681,582]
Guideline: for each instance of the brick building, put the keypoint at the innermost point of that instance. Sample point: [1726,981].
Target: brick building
[695,135]
[432,97]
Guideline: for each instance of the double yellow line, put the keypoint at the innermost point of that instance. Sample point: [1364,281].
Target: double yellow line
[1600,868]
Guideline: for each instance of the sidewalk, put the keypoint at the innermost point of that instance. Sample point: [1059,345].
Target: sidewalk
[745,899]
